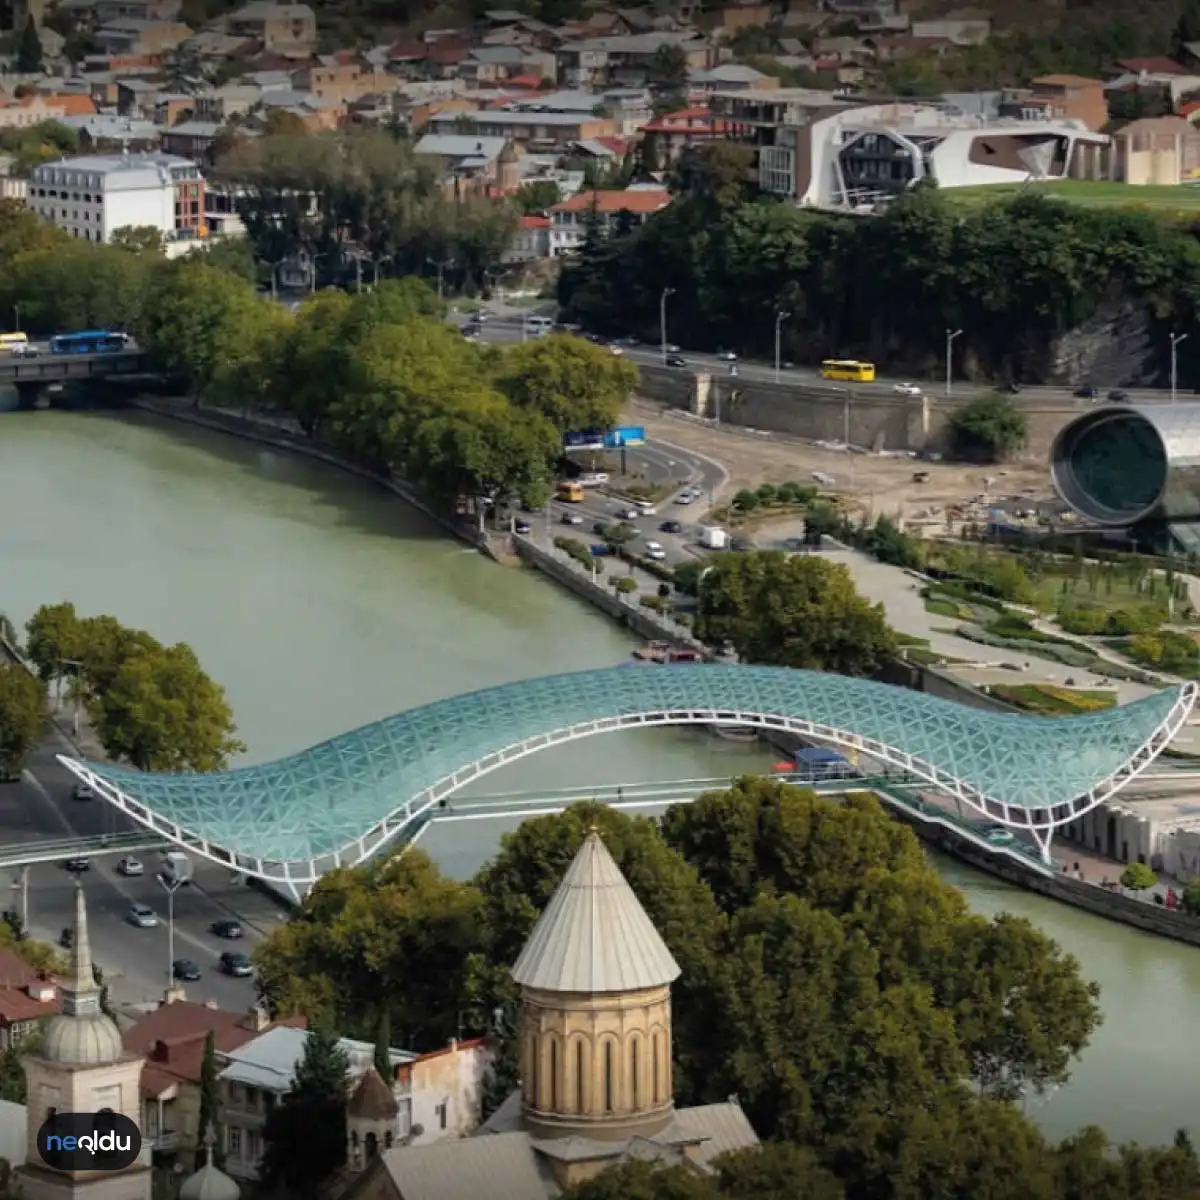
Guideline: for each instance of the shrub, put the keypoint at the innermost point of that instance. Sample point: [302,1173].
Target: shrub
[785,493]
[988,429]
[746,500]
[625,584]
[767,494]
[658,604]
[1137,877]
[686,577]
[664,590]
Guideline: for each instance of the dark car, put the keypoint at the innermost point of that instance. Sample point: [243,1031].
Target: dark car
[78,865]
[677,360]
[238,965]
[185,969]
[741,543]
[671,527]
[1087,393]
[227,929]
[1117,396]
[1011,387]
[600,528]
[523,527]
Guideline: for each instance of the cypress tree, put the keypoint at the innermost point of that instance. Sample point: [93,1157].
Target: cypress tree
[210,1099]
[383,1042]
[29,49]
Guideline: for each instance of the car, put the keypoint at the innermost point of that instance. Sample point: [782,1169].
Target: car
[599,528]
[596,338]
[522,527]
[629,340]
[907,389]
[570,518]
[81,791]
[655,551]
[1012,388]
[130,867]
[676,360]
[645,508]
[729,356]
[231,930]
[1087,392]
[671,527]
[741,543]
[77,865]
[235,964]
[1118,396]
[185,969]
[593,479]
[998,835]
[794,544]
[684,498]
[615,350]
[25,351]
[671,348]
[142,916]
[626,513]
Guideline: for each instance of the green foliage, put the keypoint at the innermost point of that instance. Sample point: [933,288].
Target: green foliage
[625,584]
[1191,898]
[29,48]
[641,1180]
[304,1139]
[1137,877]
[139,239]
[152,705]
[887,543]
[32,145]
[22,717]
[1175,653]
[989,428]
[792,610]
[746,500]
[210,1103]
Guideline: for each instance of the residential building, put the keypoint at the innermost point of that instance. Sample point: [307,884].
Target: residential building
[596,1071]
[191,139]
[626,61]
[441,1093]
[27,998]
[685,129]
[962,31]
[551,129]
[729,77]
[465,158]
[29,110]
[1161,151]
[171,1041]
[94,195]
[613,211]
[341,79]
[80,1067]
[286,29]
[1058,98]
[231,100]
[531,241]
[137,37]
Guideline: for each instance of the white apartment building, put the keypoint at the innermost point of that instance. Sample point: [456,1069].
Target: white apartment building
[93,196]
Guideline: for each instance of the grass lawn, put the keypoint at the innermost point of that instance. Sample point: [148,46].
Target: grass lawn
[1111,593]
[1183,199]
[1049,701]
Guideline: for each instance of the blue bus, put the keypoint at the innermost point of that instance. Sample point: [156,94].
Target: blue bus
[93,341]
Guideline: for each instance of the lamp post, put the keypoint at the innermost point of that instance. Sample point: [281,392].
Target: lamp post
[181,873]
[441,265]
[16,317]
[662,320]
[1176,338]
[780,317]
[846,433]
[951,334]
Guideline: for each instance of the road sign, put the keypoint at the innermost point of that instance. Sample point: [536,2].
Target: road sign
[587,439]
[625,436]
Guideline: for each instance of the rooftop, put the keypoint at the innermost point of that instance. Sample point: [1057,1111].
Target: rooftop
[632,200]
[460,145]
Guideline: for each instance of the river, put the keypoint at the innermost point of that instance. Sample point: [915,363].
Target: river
[321,604]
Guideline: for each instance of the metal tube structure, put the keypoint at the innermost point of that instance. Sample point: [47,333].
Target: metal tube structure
[951,334]
[780,317]
[1176,338]
[662,321]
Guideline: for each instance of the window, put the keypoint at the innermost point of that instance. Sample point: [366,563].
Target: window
[553,1077]
[579,1104]
[608,1077]
[372,1145]
[441,1112]
[655,1054]
[233,1142]
[633,1070]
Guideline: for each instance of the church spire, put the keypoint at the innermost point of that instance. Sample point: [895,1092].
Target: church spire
[80,995]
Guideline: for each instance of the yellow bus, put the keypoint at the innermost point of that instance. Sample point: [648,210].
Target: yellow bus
[9,340]
[835,368]
[572,493]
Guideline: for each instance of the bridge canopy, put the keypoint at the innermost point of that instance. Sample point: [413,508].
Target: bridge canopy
[341,800]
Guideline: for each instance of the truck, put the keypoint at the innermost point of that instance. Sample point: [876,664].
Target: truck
[176,868]
[713,537]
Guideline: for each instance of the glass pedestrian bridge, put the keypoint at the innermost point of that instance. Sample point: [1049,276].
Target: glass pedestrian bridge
[340,802]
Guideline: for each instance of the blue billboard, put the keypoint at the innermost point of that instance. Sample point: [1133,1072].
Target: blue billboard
[621,438]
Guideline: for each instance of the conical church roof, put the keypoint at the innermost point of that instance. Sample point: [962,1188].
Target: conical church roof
[594,935]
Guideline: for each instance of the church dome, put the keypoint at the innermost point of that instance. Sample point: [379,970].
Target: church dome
[82,1041]
[209,1183]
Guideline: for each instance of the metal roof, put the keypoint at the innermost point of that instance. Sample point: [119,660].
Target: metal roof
[345,798]
[503,1165]
[594,935]
[460,145]
[268,1062]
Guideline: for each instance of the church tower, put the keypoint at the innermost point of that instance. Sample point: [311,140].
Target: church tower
[595,981]
[82,1067]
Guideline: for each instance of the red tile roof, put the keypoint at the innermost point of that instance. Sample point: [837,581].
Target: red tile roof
[73,105]
[16,1004]
[533,221]
[1156,65]
[642,200]
[529,82]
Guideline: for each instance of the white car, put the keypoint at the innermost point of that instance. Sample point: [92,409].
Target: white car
[593,479]
[684,498]
[729,356]
[645,508]
[615,351]
[130,867]
[628,514]
[655,551]
[570,518]
[142,917]
[82,791]
[25,350]
[907,389]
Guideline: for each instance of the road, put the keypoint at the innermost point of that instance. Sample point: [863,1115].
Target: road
[40,807]
[505,324]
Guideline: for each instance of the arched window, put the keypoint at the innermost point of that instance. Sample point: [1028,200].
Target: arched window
[533,1070]
[580,1106]
[655,1055]
[633,1072]
[554,1075]
[354,1138]
[608,1077]
[372,1145]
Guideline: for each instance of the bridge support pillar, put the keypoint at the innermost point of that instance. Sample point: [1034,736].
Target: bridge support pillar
[29,394]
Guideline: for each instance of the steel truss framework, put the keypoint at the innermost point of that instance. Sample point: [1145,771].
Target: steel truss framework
[340,802]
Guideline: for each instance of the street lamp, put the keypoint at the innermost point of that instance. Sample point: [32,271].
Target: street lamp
[846,433]
[951,334]
[441,264]
[16,318]
[780,317]
[662,320]
[181,873]
[1176,338]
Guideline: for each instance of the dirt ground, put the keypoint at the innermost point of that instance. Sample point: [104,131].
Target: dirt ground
[878,485]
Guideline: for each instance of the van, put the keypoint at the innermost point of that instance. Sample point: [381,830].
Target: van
[9,340]
[538,325]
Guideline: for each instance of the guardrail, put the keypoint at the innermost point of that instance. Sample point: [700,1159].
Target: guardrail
[54,849]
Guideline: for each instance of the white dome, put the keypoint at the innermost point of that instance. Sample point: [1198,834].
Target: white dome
[209,1183]
[85,1040]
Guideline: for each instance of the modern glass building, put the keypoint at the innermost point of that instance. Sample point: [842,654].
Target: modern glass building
[341,802]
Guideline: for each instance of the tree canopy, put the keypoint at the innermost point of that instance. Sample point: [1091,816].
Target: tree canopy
[22,717]
[791,610]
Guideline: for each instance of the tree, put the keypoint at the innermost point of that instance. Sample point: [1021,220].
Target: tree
[640,1180]
[139,239]
[383,1047]
[1191,898]
[304,1139]
[989,429]
[538,196]
[163,713]
[1137,877]
[29,49]
[22,717]
[792,611]
[210,1102]
[573,383]
[668,72]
